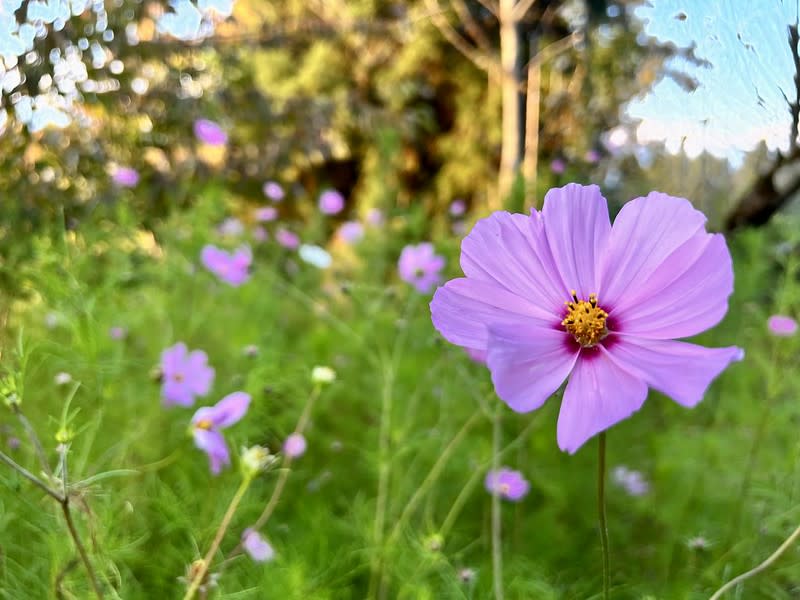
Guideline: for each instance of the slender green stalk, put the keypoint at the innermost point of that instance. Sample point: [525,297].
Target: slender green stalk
[73,531]
[30,477]
[31,433]
[756,570]
[601,511]
[497,543]
[223,527]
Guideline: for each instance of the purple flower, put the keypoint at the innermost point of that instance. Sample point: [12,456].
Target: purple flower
[125,176]
[256,546]
[782,325]
[210,132]
[507,484]
[458,207]
[266,213]
[273,191]
[287,239]
[232,268]
[375,217]
[185,375]
[295,445]
[230,227]
[207,422]
[351,231]
[592,156]
[631,481]
[558,166]
[562,294]
[117,333]
[331,202]
[419,265]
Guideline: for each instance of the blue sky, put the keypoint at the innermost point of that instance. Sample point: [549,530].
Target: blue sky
[739,101]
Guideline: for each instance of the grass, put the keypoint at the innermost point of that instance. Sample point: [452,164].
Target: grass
[388,501]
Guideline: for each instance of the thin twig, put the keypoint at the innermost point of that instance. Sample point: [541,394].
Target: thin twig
[756,570]
[30,477]
[458,42]
[490,6]
[521,9]
[472,26]
[81,550]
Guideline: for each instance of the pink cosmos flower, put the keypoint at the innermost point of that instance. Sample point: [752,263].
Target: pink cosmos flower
[273,191]
[230,227]
[458,207]
[210,133]
[260,234]
[592,156]
[266,214]
[256,546]
[287,239]
[375,217]
[782,326]
[185,375]
[331,202]
[631,481]
[295,445]
[562,294]
[117,333]
[507,484]
[420,266]
[558,166]
[351,231]
[232,268]
[207,422]
[125,176]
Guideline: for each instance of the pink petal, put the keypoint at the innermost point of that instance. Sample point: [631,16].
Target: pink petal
[511,251]
[176,392]
[229,410]
[577,226]
[213,444]
[599,394]
[687,294]
[528,363]
[172,358]
[645,232]
[463,309]
[681,371]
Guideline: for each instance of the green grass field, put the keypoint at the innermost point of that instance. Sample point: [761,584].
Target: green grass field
[389,500]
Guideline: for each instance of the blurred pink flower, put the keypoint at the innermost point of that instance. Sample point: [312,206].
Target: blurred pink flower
[185,375]
[117,332]
[295,445]
[558,166]
[209,420]
[273,191]
[420,266]
[125,176]
[331,202]
[351,231]
[210,133]
[782,326]
[375,217]
[266,214]
[287,239]
[458,207]
[232,268]
[507,484]
[260,234]
[256,546]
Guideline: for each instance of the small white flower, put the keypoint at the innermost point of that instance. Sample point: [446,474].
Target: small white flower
[315,255]
[323,375]
[62,378]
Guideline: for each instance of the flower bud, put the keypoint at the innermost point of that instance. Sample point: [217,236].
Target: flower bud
[322,375]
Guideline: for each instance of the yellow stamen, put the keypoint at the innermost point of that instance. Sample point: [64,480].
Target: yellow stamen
[585,320]
[204,424]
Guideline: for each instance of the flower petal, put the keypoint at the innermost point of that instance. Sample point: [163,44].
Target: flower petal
[528,363]
[599,394]
[229,410]
[681,371]
[688,293]
[256,546]
[213,444]
[172,358]
[511,251]
[463,309]
[199,374]
[577,226]
[176,392]
[645,232]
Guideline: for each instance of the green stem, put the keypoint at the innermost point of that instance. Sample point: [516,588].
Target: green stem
[223,527]
[497,544]
[756,570]
[30,477]
[601,511]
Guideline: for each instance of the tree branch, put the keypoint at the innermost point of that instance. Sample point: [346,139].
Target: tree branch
[457,40]
[521,9]
[471,25]
[490,5]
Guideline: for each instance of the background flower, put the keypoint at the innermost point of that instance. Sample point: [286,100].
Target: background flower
[232,268]
[507,483]
[782,326]
[331,202]
[209,420]
[295,445]
[420,266]
[125,176]
[256,546]
[185,375]
[210,133]
[273,191]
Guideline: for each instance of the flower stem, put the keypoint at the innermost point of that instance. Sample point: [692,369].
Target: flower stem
[756,570]
[223,527]
[601,511]
[30,477]
[497,544]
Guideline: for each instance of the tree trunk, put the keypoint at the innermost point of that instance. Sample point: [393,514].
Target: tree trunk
[530,161]
[513,103]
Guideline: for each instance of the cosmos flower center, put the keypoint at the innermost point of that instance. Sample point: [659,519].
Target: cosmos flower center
[205,424]
[585,320]
[504,488]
